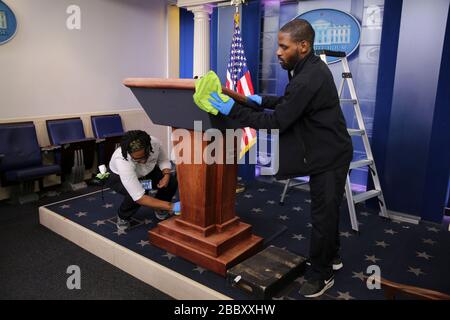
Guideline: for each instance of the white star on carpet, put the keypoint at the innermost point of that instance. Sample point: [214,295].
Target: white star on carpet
[365,214]
[416,271]
[283,217]
[99,222]
[81,214]
[143,243]
[113,192]
[248,196]
[169,256]
[119,232]
[423,255]
[429,241]
[381,244]
[390,231]
[270,202]
[65,206]
[148,221]
[91,199]
[108,205]
[372,258]
[345,234]
[256,210]
[262,190]
[199,269]
[433,229]
[344,296]
[309,225]
[359,275]
[301,280]
[298,236]
[297,208]
[308,200]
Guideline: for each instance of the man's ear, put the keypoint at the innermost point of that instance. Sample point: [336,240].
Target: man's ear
[304,47]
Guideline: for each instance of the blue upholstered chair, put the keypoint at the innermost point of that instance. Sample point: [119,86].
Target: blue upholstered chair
[108,130]
[76,153]
[107,125]
[21,160]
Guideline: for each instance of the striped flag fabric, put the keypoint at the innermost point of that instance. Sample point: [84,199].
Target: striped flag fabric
[239,80]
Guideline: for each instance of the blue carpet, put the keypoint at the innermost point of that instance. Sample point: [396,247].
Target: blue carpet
[417,255]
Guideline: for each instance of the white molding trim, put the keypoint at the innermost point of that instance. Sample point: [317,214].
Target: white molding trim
[403,217]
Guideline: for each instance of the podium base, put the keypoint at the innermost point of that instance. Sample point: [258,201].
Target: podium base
[216,252]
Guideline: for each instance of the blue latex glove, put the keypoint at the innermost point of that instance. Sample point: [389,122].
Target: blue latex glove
[177,208]
[256,99]
[224,107]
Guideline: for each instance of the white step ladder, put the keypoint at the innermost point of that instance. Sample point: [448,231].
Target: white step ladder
[352,198]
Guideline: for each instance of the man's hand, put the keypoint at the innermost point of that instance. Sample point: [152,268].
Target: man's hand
[164,182]
[256,99]
[222,106]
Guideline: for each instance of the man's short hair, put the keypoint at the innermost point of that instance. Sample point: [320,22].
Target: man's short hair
[299,30]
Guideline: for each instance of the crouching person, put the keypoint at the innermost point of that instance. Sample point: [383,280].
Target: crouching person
[140,159]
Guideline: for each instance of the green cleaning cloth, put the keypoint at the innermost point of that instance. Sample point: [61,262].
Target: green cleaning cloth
[204,86]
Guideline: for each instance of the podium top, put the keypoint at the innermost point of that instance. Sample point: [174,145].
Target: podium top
[170,102]
[173,83]
[159,83]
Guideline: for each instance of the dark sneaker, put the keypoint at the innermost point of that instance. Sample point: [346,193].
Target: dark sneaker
[337,263]
[315,288]
[122,224]
[161,214]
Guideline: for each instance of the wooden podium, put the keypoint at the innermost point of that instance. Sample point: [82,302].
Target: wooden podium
[208,232]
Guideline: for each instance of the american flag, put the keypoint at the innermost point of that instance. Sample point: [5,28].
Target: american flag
[239,80]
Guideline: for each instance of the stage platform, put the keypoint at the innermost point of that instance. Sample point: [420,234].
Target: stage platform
[394,246]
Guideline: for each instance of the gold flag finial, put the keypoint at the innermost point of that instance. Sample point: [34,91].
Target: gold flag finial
[237,3]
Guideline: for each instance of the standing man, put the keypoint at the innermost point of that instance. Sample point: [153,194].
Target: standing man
[313,141]
[141,157]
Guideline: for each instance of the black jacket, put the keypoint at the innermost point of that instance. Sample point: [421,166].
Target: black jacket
[313,132]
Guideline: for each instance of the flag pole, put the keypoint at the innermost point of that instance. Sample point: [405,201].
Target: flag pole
[240,186]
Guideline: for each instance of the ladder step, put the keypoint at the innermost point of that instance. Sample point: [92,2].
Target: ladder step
[356,132]
[360,163]
[354,101]
[361,197]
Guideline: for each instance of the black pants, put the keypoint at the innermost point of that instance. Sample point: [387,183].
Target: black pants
[129,207]
[327,190]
